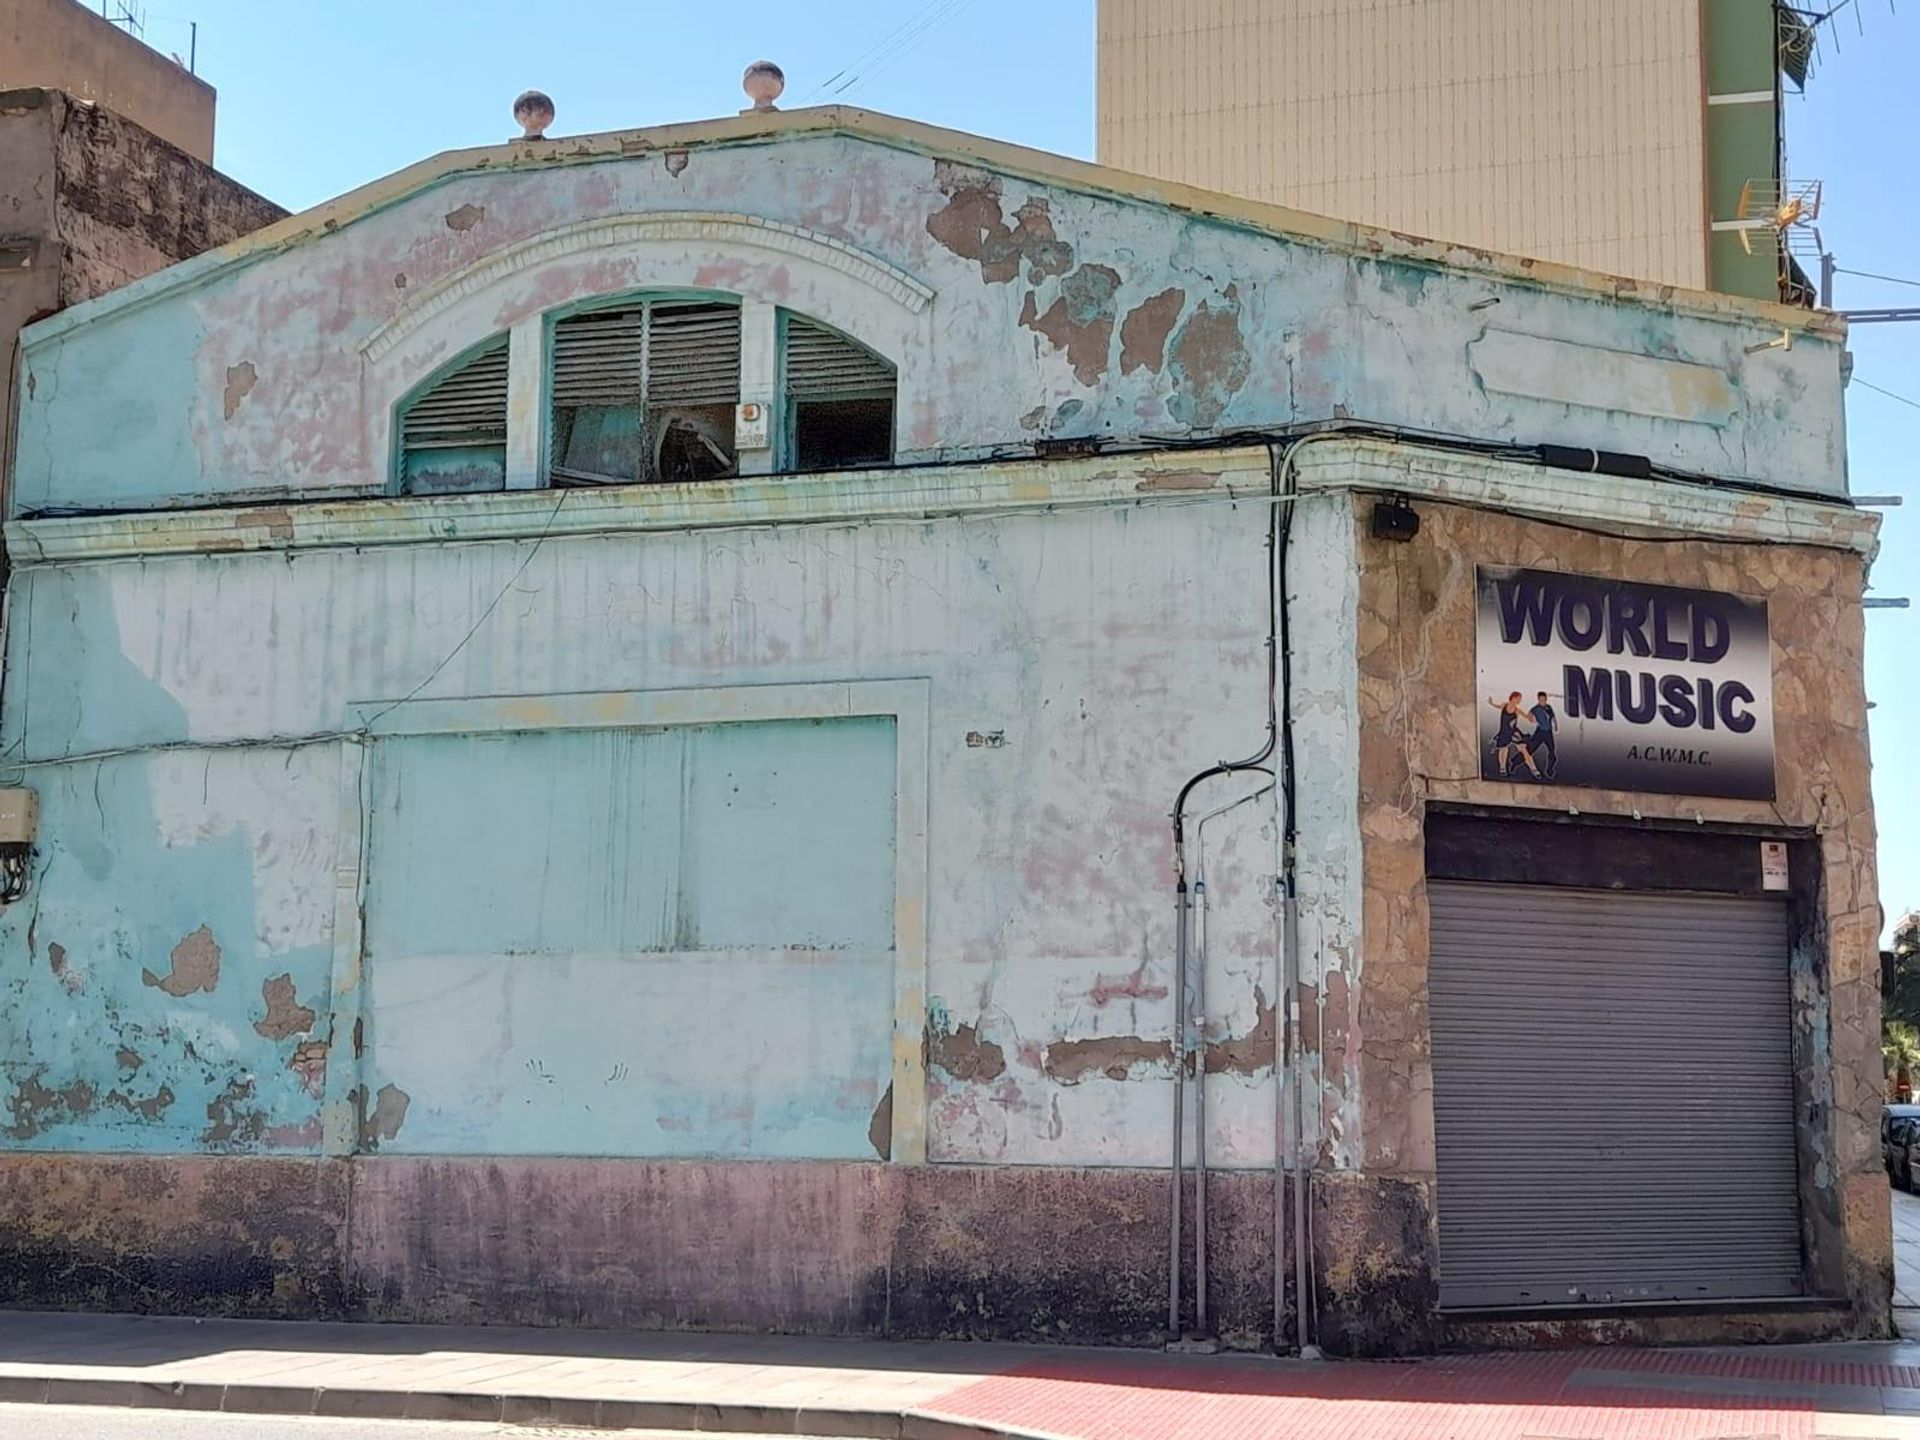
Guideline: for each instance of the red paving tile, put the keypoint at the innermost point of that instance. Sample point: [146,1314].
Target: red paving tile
[1495,1397]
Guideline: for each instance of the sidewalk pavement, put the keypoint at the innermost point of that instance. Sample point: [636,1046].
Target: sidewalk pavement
[793,1386]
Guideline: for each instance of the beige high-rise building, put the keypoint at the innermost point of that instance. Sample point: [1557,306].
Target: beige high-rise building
[1610,134]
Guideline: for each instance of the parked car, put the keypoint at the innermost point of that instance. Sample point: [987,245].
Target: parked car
[1899,1128]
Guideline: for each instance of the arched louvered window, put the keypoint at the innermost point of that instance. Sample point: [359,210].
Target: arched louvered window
[840,398]
[645,391]
[453,430]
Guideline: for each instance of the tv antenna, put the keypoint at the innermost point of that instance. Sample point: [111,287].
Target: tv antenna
[1797,35]
[128,16]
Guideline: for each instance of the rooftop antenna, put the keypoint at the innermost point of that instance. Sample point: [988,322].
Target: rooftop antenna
[126,15]
[1776,218]
[1779,216]
[132,18]
[1797,35]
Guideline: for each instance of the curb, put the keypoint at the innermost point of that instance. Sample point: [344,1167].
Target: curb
[698,1417]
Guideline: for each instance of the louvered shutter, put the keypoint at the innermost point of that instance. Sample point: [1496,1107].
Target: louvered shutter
[823,364]
[598,357]
[673,353]
[693,355]
[467,407]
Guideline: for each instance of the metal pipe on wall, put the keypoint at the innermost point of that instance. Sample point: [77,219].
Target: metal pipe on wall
[1277,736]
[1281,1053]
[1285,1021]
[1197,1057]
[1180,906]
[1197,1044]
[1304,1327]
[1289,1077]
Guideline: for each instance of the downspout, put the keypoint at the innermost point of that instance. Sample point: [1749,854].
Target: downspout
[1180,908]
[1305,1326]
[1197,1058]
[1290,1077]
[1283,952]
[1256,761]
[1197,967]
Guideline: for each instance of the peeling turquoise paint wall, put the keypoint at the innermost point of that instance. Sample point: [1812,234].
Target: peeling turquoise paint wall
[599,942]
[523,921]
[165,985]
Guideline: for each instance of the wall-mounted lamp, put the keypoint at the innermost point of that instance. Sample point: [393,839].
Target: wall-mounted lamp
[1394,519]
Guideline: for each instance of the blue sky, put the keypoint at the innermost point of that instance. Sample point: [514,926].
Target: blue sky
[316,98]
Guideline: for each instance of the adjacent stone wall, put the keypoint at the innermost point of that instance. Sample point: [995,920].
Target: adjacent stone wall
[129,203]
[1418,699]
[30,285]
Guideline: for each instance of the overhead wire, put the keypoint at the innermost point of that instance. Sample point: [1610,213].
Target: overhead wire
[484,615]
[863,56]
[321,737]
[849,74]
[948,12]
[1869,275]
[1868,384]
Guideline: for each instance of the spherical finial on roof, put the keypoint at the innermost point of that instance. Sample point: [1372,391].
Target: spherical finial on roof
[763,83]
[533,112]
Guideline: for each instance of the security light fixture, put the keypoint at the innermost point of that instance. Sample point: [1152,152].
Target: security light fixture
[1394,520]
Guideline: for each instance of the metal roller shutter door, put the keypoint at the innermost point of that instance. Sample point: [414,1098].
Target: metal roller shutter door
[1613,1097]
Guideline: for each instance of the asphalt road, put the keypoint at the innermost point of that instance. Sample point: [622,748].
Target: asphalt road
[60,1422]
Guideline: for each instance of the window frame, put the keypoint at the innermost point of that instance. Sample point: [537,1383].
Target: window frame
[550,321]
[786,455]
[542,329]
[397,414]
